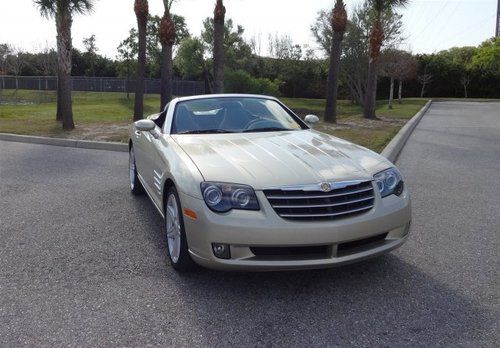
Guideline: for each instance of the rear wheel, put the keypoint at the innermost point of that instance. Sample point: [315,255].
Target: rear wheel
[178,251]
[135,185]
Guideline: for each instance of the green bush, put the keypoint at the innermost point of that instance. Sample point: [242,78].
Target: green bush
[239,81]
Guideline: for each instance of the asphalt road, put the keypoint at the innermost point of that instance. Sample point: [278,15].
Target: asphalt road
[83,263]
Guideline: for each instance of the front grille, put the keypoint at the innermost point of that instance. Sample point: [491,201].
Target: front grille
[318,205]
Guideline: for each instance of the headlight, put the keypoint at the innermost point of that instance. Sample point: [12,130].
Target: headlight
[389,182]
[222,197]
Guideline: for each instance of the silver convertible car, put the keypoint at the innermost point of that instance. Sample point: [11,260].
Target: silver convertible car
[245,184]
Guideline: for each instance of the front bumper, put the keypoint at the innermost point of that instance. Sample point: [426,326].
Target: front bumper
[244,230]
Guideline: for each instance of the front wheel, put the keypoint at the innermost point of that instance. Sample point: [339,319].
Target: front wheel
[178,251]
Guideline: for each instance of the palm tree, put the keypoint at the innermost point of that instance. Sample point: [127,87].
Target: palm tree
[339,23]
[63,11]
[141,9]
[376,41]
[167,39]
[219,15]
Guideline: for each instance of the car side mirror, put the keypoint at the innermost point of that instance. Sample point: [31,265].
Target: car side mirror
[311,120]
[144,125]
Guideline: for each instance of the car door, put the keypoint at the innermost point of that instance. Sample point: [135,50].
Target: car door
[153,166]
[140,144]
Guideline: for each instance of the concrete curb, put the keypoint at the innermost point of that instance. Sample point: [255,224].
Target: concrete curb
[81,144]
[393,149]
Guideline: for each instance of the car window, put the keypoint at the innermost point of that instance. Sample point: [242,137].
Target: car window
[232,115]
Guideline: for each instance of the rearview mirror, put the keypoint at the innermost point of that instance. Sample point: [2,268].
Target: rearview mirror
[311,120]
[144,125]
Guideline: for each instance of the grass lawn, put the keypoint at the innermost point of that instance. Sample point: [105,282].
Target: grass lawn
[106,116]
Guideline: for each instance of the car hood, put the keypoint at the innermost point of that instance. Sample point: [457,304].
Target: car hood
[279,158]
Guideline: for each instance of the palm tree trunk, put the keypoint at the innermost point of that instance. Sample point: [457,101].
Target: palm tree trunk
[391,93]
[371,90]
[333,75]
[166,76]
[219,15]
[141,71]
[400,92]
[64,22]
[376,40]
[59,113]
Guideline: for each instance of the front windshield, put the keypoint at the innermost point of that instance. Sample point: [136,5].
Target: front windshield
[232,115]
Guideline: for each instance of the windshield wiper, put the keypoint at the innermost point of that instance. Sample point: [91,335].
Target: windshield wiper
[267,129]
[207,131]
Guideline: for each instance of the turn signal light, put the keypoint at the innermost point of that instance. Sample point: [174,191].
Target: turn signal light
[190,214]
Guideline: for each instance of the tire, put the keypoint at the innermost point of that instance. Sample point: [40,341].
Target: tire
[177,246]
[135,185]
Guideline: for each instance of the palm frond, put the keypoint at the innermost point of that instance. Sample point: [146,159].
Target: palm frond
[382,5]
[168,5]
[379,5]
[402,3]
[81,6]
[47,8]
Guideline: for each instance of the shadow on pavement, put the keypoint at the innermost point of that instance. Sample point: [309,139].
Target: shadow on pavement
[382,301]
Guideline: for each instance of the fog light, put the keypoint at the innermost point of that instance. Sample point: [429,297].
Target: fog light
[221,251]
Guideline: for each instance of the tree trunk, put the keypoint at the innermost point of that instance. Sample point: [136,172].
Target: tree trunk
[219,48]
[391,93]
[209,87]
[333,76]
[59,113]
[354,96]
[64,62]
[465,91]
[356,88]
[371,90]
[361,88]
[166,76]
[141,69]
[422,91]
[376,40]
[400,92]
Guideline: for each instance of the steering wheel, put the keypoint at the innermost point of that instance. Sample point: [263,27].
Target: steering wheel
[261,122]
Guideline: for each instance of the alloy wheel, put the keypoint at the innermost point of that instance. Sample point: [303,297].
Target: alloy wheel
[173,228]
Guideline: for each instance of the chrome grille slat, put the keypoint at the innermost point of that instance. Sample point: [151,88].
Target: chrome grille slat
[320,196]
[323,205]
[300,204]
[328,215]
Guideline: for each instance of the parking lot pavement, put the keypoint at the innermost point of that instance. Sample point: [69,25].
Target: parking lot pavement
[83,263]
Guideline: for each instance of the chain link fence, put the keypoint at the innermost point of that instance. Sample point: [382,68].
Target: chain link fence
[99,84]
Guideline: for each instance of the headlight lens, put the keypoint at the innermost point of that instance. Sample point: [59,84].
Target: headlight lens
[389,182]
[222,197]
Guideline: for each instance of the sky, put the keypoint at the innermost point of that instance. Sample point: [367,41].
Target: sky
[429,25]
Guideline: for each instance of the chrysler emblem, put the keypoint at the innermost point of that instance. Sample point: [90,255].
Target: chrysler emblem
[325,187]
